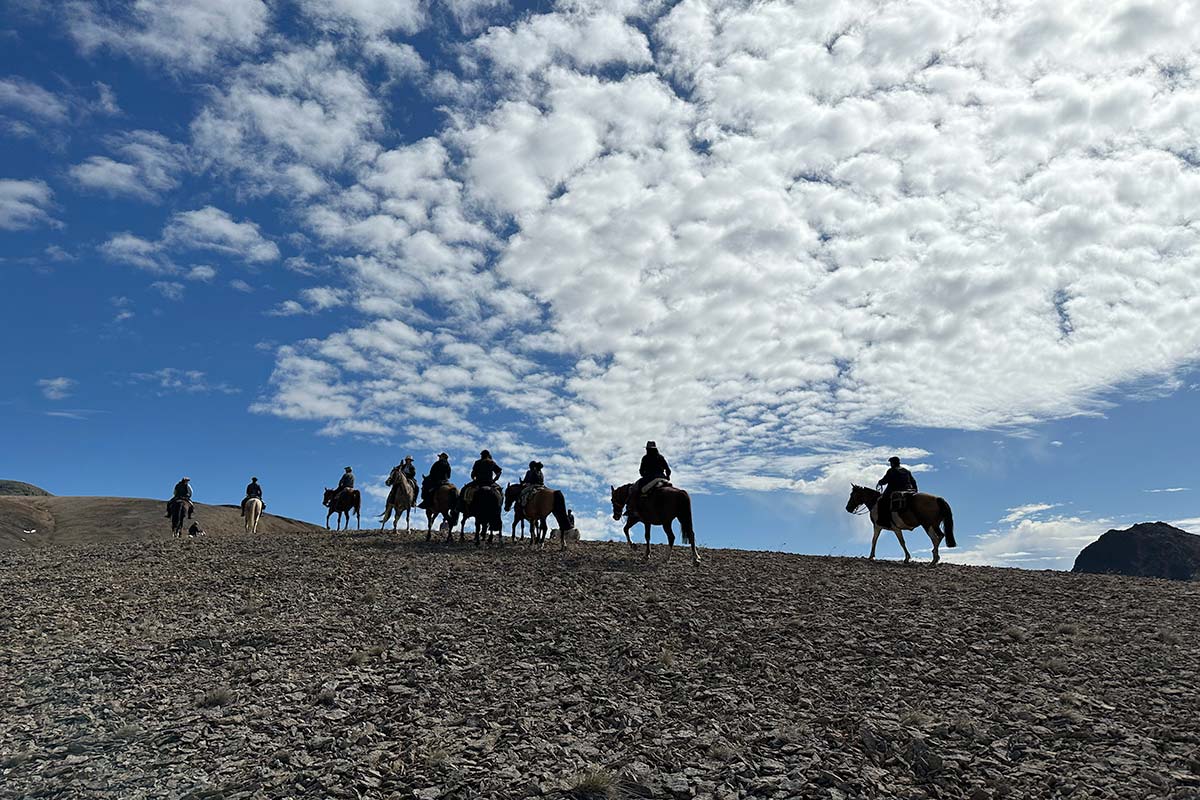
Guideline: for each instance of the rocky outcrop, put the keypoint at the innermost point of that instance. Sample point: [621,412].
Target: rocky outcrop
[1148,550]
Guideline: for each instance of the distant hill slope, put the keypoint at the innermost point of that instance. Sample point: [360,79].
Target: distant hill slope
[22,489]
[1148,549]
[72,520]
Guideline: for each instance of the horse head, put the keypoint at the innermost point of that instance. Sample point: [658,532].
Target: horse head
[511,492]
[859,496]
[328,497]
[619,496]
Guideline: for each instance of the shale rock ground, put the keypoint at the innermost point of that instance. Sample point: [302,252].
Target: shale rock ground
[367,665]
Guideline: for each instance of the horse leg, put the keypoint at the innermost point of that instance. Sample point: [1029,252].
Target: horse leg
[670,539]
[903,546]
[935,536]
[647,524]
[874,539]
[629,524]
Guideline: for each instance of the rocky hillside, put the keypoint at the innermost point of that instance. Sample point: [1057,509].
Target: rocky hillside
[367,665]
[22,489]
[41,521]
[1149,549]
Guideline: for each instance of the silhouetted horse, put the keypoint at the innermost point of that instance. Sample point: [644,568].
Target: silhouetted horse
[344,504]
[541,503]
[400,500]
[511,493]
[660,507]
[485,508]
[179,512]
[443,502]
[924,510]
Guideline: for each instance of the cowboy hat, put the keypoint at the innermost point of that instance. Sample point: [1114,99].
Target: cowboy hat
[651,445]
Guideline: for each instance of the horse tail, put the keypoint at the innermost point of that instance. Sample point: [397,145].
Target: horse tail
[685,520]
[947,522]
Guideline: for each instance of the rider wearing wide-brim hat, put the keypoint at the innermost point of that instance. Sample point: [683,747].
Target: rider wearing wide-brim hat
[439,474]
[485,471]
[653,466]
[533,475]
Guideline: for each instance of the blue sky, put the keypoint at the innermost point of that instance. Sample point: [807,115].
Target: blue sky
[783,240]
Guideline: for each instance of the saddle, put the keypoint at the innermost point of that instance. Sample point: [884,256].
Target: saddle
[468,493]
[901,501]
[528,491]
[651,485]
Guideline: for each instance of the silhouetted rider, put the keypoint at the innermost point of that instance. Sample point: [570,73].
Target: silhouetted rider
[897,479]
[439,473]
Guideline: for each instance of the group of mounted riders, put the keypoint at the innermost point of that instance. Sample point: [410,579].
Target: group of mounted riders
[895,504]
[482,498]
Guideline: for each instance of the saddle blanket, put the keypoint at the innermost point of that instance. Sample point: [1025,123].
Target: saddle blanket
[654,484]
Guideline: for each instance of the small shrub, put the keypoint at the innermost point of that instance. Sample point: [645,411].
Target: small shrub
[1015,634]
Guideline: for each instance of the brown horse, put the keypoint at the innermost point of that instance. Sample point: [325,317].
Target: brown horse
[541,504]
[344,503]
[400,500]
[924,510]
[512,493]
[660,507]
[443,502]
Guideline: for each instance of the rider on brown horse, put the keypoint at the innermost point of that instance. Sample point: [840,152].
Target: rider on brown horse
[484,472]
[653,467]
[345,484]
[439,474]
[897,479]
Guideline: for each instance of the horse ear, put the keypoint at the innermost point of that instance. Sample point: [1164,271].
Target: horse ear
[610,486]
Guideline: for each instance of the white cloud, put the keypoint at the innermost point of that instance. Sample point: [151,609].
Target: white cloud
[201,273]
[288,308]
[188,34]
[210,228]
[150,167]
[285,123]
[25,204]
[30,99]
[142,253]
[57,388]
[1051,543]
[172,290]
[1022,512]
[1171,490]
[240,285]
[170,380]
[371,17]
